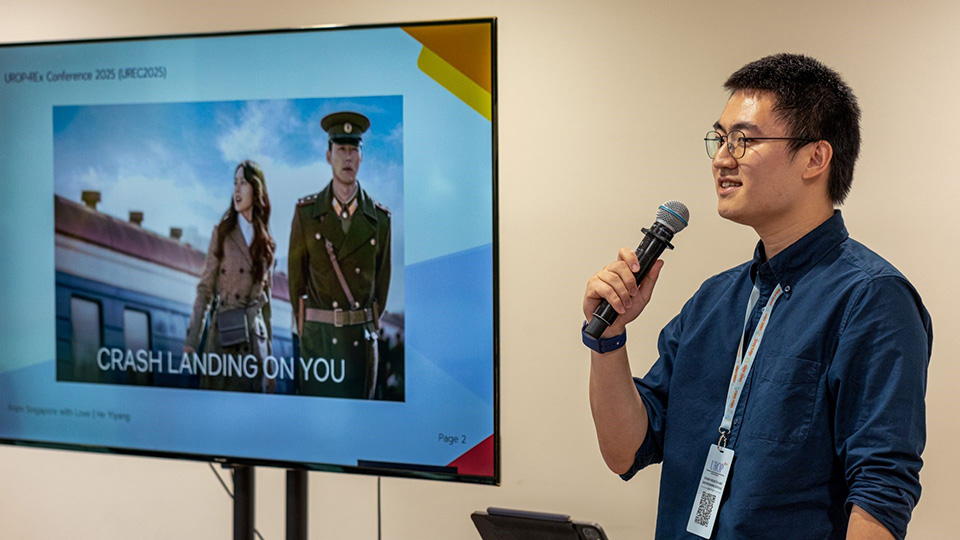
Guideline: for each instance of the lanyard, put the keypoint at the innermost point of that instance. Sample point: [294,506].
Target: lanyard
[745,358]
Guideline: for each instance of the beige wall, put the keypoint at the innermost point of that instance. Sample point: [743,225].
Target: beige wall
[645,75]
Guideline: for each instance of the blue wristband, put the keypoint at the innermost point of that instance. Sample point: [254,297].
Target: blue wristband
[603,345]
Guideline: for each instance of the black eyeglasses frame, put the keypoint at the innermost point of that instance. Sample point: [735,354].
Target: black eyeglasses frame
[725,139]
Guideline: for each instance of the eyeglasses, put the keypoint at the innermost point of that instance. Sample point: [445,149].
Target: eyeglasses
[737,142]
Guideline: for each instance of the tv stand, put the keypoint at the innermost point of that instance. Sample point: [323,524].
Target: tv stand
[243,501]
[296,504]
[244,487]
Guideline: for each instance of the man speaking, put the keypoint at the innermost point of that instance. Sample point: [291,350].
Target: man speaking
[788,397]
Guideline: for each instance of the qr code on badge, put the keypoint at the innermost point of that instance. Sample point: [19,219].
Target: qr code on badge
[705,509]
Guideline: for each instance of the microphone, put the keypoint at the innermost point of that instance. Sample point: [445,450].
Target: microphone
[672,217]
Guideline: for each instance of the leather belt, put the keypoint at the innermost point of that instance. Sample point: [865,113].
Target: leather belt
[339,317]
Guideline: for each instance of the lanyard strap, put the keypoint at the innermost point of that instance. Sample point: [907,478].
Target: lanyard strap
[745,358]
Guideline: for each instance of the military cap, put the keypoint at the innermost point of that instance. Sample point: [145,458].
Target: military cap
[345,127]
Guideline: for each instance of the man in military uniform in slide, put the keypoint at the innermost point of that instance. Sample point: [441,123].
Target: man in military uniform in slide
[339,271]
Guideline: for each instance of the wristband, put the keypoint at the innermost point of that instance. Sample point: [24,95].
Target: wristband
[603,345]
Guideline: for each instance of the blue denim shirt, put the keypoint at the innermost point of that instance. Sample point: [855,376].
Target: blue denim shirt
[832,413]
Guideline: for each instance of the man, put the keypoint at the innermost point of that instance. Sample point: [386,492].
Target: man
[339,271]
[827,427]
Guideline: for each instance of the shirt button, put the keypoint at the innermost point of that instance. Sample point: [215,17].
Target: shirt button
[334,341]
[786,289]
[335,305]
[317,236]
[357,270]
[356,305]
[356,343]
[373,241]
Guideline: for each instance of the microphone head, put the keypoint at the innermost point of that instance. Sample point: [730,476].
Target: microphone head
[674,215]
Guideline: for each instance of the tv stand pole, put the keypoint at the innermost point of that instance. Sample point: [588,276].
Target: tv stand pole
[243,506]
[296,504]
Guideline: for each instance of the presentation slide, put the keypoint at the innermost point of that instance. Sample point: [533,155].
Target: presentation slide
[272,247]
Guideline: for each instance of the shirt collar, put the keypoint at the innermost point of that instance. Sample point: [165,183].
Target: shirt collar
[246,228]
[791,264]
[324,202]
[345,210]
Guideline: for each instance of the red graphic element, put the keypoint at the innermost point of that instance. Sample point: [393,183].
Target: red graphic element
[477,461]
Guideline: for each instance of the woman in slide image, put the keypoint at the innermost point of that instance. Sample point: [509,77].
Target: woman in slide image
[235,283]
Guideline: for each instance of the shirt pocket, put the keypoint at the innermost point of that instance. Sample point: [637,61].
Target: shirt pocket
[783,396]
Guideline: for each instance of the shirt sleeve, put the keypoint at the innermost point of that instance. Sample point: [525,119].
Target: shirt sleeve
[653,389]
[878,379]
[383,269]
[206,293]
[267,309]
[297,269]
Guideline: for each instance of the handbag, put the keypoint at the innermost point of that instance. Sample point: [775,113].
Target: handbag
[232,327]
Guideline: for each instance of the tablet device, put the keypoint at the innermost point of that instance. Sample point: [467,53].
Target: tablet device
[508,524]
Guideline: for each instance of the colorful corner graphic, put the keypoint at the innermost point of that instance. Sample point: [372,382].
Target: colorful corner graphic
[458,58]
[478,461]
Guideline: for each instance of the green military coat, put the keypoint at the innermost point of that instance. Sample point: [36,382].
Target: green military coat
[363,253]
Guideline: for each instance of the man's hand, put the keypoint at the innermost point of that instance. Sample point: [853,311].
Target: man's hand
[615,284]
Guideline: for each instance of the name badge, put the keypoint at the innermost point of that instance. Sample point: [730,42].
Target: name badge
[712,481]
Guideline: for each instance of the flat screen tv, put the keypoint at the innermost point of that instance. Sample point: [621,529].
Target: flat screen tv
[271,248]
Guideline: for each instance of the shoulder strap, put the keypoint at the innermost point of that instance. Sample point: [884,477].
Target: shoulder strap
[336,270]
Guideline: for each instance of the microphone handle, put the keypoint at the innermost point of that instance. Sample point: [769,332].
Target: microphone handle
[655,240]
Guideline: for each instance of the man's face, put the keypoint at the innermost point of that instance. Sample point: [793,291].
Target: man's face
[765,185]
[345,160]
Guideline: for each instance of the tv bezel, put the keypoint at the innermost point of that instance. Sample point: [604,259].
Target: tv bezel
[315,466]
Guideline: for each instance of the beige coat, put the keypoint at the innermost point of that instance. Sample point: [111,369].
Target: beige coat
[228,281]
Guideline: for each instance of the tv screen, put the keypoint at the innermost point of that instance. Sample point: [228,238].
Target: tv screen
[273,248]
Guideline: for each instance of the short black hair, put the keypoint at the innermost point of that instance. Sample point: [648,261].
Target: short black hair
[815,103]
[350,142]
